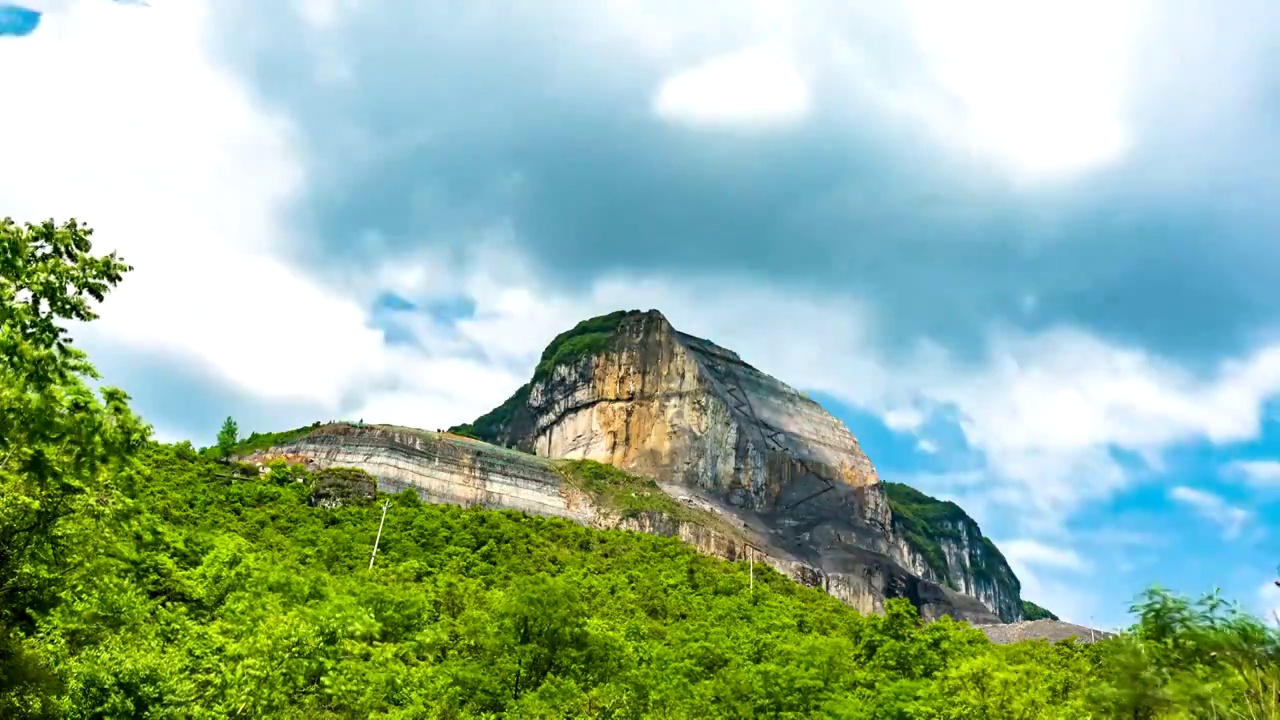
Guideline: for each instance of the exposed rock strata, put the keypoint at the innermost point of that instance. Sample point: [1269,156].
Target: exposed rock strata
[440,468]
[693,415]
[449,469]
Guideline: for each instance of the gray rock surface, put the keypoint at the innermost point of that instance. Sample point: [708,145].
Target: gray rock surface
[1050,630]
[440,468]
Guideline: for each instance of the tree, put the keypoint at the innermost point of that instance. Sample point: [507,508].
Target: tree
[228,436]
[60,442]
[56,435]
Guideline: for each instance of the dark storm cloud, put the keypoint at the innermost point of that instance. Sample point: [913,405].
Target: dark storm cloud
[458,116]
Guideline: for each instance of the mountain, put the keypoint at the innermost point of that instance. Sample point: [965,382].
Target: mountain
[629,423]
[629,390]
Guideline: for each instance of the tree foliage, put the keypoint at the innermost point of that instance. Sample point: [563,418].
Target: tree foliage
[146,581]
[1032,611]
[62,445]
[228,436]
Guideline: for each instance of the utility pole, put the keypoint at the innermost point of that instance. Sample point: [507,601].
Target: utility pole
[385,505]
[751,565]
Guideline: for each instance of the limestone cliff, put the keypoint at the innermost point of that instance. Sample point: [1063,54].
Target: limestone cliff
[629,390]
[446,468]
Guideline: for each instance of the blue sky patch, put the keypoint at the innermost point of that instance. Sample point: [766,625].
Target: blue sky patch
[18,21]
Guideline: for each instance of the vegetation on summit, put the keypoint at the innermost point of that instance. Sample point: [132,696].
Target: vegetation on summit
[257,441]
[925,521]
[145,580]
[589,337]
[1032,611]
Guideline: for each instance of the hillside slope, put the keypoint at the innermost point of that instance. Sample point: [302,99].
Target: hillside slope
[219,593]
[451,469]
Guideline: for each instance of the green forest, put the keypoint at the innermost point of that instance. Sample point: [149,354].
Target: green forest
[145,580]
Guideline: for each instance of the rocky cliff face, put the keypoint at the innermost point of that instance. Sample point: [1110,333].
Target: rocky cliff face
[450,469]
[629,390]
[439,468]
[940,542]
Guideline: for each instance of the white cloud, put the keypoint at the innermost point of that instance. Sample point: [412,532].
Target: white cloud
[1230,518]
[1259,473]
[134,129]
[1028,553]
[318,14]
[1268,602]
[1041,83]
[1061,108]
[167,158]
[43,6]
[905,419]
[756,86]
[1046,409]
[1041,89]
[1040,568]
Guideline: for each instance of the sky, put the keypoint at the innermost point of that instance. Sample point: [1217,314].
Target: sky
[1026,250]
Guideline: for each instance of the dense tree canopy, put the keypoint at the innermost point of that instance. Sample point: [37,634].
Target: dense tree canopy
[141,580]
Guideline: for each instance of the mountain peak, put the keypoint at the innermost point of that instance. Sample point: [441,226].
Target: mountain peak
[589,337]
[629,390]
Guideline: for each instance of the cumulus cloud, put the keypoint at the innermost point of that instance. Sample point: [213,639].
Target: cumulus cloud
[177,168]
[1230,518]
[1259,473]
[898,188]
[1053,577]
[756,86]
[904,419]
[1053,110]
[1030,552]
